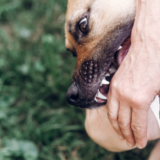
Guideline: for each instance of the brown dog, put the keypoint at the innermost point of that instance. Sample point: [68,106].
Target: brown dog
[97,34]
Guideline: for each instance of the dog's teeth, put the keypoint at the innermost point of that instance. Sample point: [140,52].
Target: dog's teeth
[95,99]
[120,47]
[107,75]
[101,96]
[112,70]
[105,82]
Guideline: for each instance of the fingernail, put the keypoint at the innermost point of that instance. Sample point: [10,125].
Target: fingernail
[138,146]
[130,145]
[120,137]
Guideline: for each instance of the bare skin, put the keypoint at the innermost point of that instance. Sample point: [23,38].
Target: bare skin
[101,131]
[136,83]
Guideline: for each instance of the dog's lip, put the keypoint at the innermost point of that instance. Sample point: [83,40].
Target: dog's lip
[121,53]
[89,105]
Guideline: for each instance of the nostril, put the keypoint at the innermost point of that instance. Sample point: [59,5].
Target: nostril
[74,97]
[72,94]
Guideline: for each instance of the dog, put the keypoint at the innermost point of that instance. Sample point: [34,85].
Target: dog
[98,33]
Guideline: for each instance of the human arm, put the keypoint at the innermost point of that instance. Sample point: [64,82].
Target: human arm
[136,83]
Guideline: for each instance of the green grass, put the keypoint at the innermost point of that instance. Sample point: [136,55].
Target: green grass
[36,123]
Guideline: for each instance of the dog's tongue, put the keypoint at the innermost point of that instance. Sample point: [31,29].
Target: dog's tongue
[123,51]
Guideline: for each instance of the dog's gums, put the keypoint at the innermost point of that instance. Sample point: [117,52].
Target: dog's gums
[101,96]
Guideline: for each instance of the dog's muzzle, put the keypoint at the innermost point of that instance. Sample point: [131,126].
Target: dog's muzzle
[87,93]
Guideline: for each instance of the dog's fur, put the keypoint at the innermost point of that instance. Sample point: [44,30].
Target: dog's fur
[110,23]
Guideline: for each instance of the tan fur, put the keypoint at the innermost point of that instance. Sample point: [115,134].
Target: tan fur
[105,15]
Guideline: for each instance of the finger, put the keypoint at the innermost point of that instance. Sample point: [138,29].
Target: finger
[139,126]
[124,120]
[113,108]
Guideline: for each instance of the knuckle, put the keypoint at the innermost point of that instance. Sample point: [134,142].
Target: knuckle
[124,94]
[137,128]
[114,84]
[138,101]
[112,117]
[124,125]
[118,88]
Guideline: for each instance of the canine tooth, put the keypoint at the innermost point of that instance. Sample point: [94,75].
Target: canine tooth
[112,70]
[107,75]
[104,81]
[120,47]
[101,96]
[95,99]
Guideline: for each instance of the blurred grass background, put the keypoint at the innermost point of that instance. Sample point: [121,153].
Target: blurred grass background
[36,123]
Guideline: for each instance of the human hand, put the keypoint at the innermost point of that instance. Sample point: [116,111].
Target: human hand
[136,83]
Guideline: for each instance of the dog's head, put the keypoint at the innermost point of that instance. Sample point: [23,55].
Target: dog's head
[95,31]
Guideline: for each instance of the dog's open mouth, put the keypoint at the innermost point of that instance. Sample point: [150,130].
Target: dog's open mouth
[102,93]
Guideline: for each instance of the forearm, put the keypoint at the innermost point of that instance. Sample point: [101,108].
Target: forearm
[147,22]
[145,48]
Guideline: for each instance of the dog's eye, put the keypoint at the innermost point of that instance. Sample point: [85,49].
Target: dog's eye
[83,25]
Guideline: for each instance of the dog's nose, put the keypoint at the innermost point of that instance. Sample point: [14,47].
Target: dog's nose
[72,94]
